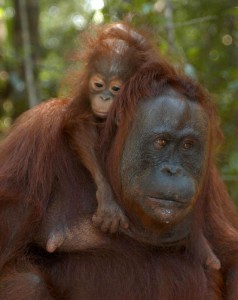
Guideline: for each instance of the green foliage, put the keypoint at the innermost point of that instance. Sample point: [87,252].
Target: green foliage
[200,35]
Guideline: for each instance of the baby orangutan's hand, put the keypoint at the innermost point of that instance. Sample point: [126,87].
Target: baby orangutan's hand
[109,216]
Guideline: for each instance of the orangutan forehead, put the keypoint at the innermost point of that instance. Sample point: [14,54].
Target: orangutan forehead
[113,61]
[109,67]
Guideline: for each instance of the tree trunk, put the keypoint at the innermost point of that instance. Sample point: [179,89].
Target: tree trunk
[26,40]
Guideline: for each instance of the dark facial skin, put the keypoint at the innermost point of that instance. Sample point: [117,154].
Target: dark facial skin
[163,163]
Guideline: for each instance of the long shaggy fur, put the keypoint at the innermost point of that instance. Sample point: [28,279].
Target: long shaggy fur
[37,164]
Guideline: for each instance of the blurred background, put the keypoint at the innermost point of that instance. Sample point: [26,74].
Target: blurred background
[37,38]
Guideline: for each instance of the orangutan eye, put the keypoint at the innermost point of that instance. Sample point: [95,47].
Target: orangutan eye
[116,88]
[98,84]
[187,145]
[160,143]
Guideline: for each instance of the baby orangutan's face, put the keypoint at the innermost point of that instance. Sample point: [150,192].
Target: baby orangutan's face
[102,92]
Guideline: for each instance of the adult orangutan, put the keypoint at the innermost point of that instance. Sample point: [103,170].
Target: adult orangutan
[159,162]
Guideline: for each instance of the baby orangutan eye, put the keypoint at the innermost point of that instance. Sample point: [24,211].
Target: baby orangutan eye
[115,86]
[96,83]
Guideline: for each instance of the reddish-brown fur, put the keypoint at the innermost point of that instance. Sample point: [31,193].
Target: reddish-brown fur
[38,166]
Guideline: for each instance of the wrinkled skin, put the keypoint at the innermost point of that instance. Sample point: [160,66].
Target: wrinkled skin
[162,172]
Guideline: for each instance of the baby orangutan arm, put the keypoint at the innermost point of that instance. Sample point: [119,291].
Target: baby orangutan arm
[109,216]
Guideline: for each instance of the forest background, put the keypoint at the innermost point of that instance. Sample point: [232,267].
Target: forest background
[200,36]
